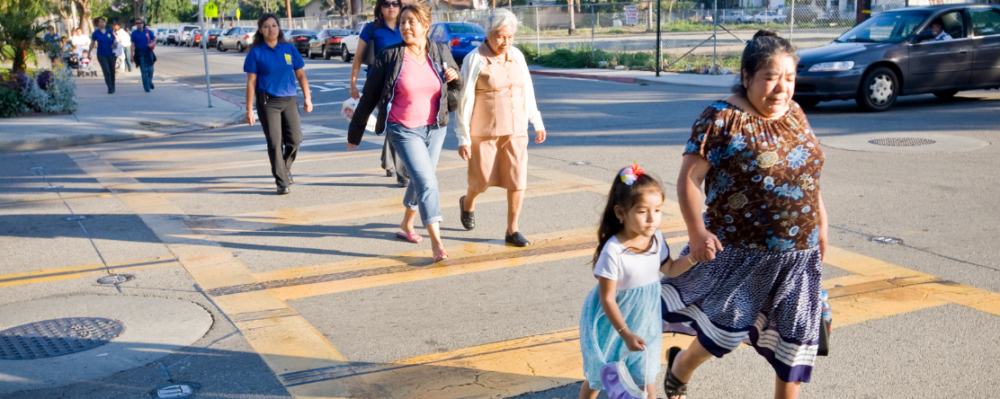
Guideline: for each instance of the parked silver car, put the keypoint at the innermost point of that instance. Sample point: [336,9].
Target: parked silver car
[184,34]
[239,38]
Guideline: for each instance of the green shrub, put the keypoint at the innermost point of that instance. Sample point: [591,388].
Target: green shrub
[530,52]
[11,103]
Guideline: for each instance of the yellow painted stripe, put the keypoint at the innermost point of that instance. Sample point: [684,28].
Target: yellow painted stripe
[239,164]
[924,284]
[286,341]
[69,273]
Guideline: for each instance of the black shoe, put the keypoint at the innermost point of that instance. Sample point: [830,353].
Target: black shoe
[291,180]
[468,217]
[403,183]
[390,173]
[152,86]
[517,240]
[284,190]
[111,91]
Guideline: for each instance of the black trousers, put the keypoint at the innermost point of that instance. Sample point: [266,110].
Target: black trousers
[279,116]
[108,69]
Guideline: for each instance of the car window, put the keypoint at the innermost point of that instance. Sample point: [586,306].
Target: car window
[887,27]
[466,29]
[954,24]
[985,21]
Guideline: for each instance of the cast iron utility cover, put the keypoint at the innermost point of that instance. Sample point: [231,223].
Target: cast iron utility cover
[51,338]
[902,141]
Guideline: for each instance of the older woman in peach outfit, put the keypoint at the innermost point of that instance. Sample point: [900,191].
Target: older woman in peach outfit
[494,109]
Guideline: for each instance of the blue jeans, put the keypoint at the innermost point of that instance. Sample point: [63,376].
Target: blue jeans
[145,69]
[419,149]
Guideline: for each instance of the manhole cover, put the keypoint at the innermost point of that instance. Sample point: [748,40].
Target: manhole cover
[115,279]
[886,240]
[902,141]
[580,163]
[51,338]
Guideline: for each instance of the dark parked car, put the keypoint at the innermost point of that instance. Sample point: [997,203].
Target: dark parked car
[300,38]
[328,43]
[213,37]
[462,37]
[895,53]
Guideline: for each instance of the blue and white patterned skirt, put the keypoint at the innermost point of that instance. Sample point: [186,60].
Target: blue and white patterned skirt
[769,300]
[601,344]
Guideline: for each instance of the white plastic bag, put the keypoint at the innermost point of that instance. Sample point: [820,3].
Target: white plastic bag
[347,111]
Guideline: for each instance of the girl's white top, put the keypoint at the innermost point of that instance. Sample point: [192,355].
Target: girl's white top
[629,269]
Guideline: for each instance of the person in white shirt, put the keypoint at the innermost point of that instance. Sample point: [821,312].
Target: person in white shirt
[80,42]
[125,43]
[939,33]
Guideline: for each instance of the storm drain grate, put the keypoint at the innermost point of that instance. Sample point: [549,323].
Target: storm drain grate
[902,141]
[51,338]
[154,125]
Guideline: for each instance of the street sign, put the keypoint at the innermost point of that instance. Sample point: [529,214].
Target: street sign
[211,10]
[631,15]
[237,13]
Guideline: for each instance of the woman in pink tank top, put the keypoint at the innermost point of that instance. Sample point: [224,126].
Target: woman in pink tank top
[410,82]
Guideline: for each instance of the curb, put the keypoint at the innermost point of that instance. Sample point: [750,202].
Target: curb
[584,76]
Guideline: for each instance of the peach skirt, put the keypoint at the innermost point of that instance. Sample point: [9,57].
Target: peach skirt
[498,162]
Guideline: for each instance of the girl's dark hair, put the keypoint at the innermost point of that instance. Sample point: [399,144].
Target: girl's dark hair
[99,19]
[379,18]
[258,36]
[626,197]
[760,52]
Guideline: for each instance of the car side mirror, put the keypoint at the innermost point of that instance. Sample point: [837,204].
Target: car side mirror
[926,35]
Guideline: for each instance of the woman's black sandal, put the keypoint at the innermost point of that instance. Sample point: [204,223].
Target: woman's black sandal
[671,385]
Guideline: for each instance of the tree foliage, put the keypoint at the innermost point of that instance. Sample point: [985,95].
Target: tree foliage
[20,29]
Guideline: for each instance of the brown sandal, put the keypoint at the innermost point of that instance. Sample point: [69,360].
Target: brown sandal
[671,384]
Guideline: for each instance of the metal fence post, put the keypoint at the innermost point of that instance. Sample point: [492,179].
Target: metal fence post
[791,24]
[659,44]
[715,35]
[593,28]
[538,29]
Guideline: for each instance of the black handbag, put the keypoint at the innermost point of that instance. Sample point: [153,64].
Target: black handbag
[368,58]
[824,337]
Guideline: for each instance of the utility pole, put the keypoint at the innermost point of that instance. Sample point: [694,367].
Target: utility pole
[715,35]
[288,7]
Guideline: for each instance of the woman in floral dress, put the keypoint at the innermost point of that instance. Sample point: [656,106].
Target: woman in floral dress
[762,238]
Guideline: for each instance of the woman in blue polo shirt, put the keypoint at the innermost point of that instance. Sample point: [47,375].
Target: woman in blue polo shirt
[272,66]
[105,41]
[381,33]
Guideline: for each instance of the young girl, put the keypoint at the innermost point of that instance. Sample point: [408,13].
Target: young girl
[622,313]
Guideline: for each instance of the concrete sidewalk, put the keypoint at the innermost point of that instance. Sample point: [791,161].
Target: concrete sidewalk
[129,114]
[640,77]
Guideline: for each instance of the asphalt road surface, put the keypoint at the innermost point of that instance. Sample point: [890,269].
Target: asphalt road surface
[311,296]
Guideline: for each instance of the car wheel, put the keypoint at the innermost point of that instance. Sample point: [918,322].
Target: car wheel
[946,95]
[326,54]
[344,54]
[878,90]
[807,103]
[239,47]
[221,49]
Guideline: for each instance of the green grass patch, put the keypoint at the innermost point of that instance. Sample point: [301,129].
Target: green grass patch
[585,56]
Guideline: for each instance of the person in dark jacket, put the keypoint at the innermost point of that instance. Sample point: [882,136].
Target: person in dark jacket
[411,83]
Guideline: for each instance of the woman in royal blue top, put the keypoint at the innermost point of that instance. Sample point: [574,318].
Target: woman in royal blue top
[272,66]
[105,41]
[381,33]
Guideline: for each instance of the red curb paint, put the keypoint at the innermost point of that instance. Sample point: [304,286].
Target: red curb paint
[581,76]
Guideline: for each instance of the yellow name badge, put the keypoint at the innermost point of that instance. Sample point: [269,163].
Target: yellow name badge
[288,59]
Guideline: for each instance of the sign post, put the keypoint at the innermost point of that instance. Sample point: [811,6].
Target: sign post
[203,10]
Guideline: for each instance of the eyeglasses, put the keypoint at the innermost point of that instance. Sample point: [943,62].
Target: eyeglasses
[390,4]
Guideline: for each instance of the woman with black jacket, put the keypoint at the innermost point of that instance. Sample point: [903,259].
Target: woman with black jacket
[411,83]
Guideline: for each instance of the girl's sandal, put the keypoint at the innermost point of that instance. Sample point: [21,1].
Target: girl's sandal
[671,384]
[440,256]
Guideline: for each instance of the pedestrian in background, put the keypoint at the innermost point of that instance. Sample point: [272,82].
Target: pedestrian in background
[494,108]
[272,66]
[764,231]
[80,42]
[622,314]
[410,83]
[125,44]
[143,42]
[380,33]
[104,39]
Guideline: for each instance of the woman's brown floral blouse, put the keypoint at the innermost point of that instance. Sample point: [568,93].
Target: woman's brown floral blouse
[763,186]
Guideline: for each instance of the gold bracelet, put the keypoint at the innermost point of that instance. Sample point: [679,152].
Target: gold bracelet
[691,260]
[623,327]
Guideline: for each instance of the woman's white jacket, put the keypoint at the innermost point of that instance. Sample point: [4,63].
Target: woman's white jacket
[471,66]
